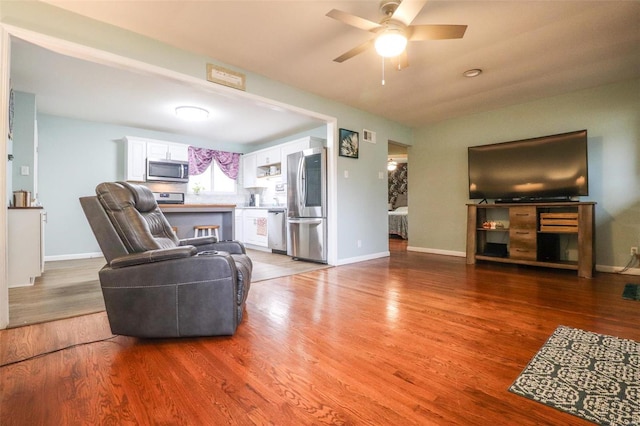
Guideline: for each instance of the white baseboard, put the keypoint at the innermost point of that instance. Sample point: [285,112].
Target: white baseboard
[72,256]
[437,251]
[362,258]
[258,248]
[617,270]
[599,268]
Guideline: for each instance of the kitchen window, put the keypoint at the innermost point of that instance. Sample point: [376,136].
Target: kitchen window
[213,181]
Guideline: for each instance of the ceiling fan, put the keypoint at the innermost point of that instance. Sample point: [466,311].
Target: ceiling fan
[395,30]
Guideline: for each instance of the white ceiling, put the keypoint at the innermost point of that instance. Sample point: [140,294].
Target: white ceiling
[527,50]
[75,88]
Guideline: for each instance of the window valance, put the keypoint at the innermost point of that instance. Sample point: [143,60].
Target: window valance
[201,158]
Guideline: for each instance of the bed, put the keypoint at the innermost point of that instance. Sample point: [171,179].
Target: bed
[398,223]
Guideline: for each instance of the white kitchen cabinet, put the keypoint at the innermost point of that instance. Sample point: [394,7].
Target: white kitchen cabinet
[249,172]
[159,150]
[254,227]
[139,149]
[25,245]
[262,163]
[268,157]
[178,151]
[135,159]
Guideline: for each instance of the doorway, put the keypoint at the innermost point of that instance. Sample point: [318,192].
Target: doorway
[149,73]
[398,197]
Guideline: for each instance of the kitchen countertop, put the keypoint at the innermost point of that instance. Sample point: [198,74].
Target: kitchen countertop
[263,207]
[25,208]
[196,206]
[219,207]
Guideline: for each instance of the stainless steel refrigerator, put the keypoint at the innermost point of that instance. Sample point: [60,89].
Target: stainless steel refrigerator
[307,205]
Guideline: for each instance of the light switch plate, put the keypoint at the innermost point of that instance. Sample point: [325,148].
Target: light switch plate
[24,170]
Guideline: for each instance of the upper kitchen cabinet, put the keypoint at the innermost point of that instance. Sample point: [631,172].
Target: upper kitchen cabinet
[159,150]
[268,157]
[250,171]
[272,162]
[135,159]
[139,149]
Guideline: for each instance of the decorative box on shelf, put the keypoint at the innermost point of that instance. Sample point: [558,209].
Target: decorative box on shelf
[559,222]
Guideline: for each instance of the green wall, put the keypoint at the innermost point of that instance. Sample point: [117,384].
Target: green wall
[24,132]
[362,195]
[76,155]
[438,183]
[437,156]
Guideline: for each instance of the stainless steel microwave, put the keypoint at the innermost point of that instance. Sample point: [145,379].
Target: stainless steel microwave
[167,171]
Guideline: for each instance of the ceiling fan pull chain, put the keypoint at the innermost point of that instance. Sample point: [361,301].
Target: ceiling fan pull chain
[382,70]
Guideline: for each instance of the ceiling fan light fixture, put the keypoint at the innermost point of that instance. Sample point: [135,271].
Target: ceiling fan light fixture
[192,113]
[391,43]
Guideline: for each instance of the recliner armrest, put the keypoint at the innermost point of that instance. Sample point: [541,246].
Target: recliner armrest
[152,256]
[197,241]
[232,246]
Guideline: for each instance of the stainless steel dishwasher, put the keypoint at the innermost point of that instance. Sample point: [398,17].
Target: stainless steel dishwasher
[277,230]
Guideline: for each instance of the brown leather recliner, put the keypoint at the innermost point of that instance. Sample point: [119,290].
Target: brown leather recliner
[155,285]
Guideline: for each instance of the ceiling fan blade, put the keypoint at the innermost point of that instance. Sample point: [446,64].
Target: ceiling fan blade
[401,61]
[408,10]
[436,32]
[355,51]
[354,21]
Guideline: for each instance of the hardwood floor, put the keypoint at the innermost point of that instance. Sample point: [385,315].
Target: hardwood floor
[411,339]
[69,288]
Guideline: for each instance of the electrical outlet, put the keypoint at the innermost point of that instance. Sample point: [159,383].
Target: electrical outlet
[634,251]
[359,243]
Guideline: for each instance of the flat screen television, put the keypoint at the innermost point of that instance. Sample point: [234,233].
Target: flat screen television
[548,168]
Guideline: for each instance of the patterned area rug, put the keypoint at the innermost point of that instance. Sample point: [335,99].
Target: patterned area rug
[592,376]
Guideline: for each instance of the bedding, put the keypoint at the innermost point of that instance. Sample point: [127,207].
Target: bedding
[398,222]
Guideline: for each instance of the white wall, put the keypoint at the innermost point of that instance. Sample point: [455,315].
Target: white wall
[438,186]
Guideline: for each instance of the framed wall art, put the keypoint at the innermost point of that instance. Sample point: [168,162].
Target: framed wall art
[349,143]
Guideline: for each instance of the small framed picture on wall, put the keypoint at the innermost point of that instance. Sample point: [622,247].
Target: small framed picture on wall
[349,143]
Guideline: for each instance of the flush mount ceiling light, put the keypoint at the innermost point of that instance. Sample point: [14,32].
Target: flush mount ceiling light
[392,41]
[192,113]
[391,165]
[472,73]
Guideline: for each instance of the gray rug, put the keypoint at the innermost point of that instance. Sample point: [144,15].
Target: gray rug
[631,292]
[267,266]
[592,376]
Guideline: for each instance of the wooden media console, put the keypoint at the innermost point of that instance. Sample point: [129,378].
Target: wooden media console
[554,235]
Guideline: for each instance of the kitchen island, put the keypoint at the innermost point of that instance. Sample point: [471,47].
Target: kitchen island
[185,216]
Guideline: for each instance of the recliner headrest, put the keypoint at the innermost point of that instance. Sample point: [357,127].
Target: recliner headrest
[144,200]
[114,196]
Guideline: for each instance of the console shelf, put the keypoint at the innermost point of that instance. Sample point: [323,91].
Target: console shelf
[553,235]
